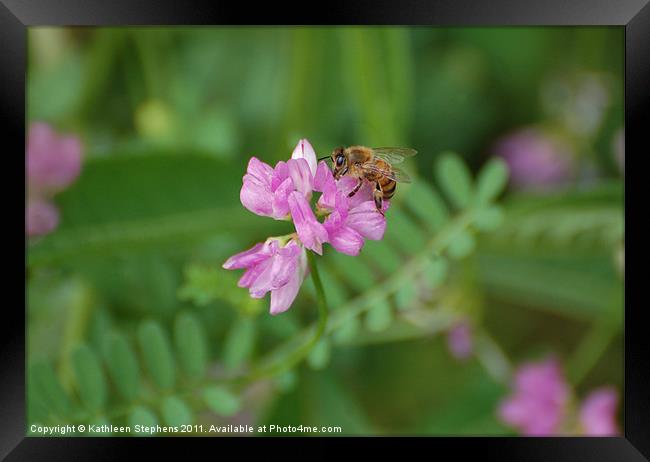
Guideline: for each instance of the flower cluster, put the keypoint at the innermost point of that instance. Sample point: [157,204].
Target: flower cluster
[539,404]
[53,163]
[284,192]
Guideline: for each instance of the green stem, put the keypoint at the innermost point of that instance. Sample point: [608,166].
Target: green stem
[492,358]
[284,361]
[593,345]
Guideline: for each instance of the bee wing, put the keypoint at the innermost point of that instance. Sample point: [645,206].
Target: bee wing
[395,174]
[393,155]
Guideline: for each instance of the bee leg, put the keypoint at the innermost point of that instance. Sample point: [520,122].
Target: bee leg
[356,188]
[378,195]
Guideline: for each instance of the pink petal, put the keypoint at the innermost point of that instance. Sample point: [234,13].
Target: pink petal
[311,233]
[53,162]
[260,170]
[459,340]
[285,264]
[280,173]
[283,297]
[512,411]
[251,279]
[264,280]
[367,221]
[323,177]
[280,204]
[68,165]
[305,151]
[247,258]
[539,400]
[301,175]
[41,217]
[598,413]
[256,194]
[346,240]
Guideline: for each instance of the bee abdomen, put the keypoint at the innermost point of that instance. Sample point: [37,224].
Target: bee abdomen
[389,189]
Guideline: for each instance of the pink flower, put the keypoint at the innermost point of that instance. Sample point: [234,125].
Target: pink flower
[42,217]
[53,161]
[459,340]
[538,402]
[598,413]
[284,192]
[270,267]
[536,160]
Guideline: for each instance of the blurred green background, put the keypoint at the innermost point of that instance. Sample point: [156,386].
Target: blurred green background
[130,317]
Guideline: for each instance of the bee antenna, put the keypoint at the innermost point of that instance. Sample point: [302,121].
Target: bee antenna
[323,158]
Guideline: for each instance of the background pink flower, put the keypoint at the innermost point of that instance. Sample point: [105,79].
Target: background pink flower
[536,160]
[53,161]
[538,401]
[41,217]
[598,413]
[459,340]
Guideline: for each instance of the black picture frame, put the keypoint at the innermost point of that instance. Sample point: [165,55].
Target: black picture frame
[633,15]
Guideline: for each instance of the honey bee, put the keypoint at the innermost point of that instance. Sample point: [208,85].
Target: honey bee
[374,165]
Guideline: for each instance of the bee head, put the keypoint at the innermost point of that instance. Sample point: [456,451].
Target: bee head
[339,162]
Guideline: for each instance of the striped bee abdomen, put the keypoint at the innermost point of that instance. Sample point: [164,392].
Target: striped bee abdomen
[388,187]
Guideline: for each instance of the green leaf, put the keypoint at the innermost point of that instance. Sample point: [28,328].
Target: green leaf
[319,356]
[404,233]
[239,342]
[337,294]
[454,179]
[469,408]
[381,255]
[462,245]
[581,287]
[204,284]
[175,412]
[287,381]
[46,387]
[157,354]
[435,272]
[347,331]
[489,218]
[379,317]
[221,400]
[141,415]
[427,204]
[491,180]
[190,345]
[351,271]
[90,380]
[123,367]
[406,295]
